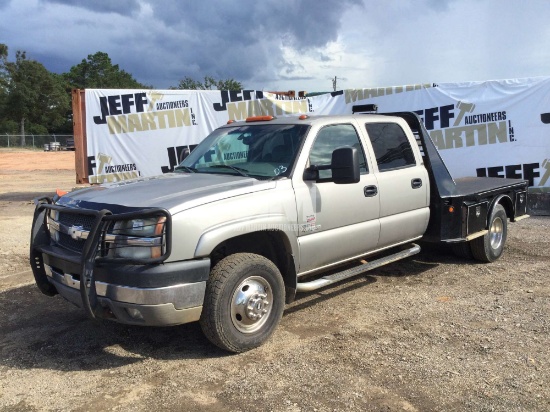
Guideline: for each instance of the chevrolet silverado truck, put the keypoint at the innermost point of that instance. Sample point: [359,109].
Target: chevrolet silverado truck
[257,212]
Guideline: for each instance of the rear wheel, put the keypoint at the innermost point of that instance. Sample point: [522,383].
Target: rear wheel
[244,302]
[489,247]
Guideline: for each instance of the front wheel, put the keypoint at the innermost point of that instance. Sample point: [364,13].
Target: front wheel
[244,302]
[489,247]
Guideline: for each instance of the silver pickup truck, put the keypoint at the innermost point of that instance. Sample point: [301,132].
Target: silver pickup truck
[261,210]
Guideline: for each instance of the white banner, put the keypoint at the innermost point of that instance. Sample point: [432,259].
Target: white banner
[493,128]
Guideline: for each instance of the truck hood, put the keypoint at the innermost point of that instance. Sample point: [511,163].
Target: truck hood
[172,191]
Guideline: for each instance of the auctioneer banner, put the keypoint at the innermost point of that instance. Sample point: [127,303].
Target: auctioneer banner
[133,133]
[493,128]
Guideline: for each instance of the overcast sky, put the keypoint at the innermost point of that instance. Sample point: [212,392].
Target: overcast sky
[288,44]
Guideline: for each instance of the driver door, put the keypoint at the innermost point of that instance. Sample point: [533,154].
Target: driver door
[336,222]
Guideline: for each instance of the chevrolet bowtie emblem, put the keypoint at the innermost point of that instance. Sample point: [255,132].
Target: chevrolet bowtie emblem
[76,232]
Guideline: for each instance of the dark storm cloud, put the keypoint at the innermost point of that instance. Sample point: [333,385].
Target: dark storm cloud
[309,23]
[286,44]
[306,23]
[54,63]
[243,42]
[122,7]
[161,42]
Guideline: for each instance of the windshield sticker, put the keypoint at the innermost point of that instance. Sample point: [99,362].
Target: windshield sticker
[279,170]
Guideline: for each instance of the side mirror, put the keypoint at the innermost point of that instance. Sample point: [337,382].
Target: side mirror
[311,173]
[345,165]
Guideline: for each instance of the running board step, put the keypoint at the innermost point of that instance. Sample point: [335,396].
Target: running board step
[354,271]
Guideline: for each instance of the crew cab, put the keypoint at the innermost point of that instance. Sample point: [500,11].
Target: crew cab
[259,211]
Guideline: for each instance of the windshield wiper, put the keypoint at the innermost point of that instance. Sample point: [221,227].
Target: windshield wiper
[239,170]
[187,168]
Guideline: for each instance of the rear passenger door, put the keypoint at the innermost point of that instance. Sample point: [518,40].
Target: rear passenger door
[402,183]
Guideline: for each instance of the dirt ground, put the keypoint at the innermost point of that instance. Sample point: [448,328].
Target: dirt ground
[430,333]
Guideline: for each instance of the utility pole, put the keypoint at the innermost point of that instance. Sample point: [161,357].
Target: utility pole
[334,83]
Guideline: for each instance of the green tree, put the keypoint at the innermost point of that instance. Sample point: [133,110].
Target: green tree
[98,72]
[32,96]
[209,83]
[4,75]
[4,81]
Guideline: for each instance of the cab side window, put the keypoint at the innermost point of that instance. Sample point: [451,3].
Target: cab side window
[391,146]
[331,138]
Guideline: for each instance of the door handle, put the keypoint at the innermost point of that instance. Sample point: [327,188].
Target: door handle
[370,191]
[416,183]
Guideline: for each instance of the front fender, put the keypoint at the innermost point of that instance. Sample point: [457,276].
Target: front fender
[228,230]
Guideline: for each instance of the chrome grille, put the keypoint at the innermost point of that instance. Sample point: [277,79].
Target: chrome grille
[71,244]
[73,219]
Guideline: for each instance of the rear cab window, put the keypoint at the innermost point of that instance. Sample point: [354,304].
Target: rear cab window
[391,146]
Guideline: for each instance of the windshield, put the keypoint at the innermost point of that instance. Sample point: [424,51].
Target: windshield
[262,151]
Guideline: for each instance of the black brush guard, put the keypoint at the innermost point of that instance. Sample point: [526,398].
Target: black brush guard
[41,243]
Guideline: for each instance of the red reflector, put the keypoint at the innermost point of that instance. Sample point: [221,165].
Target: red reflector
[451,209]
[259,118]
[303,117]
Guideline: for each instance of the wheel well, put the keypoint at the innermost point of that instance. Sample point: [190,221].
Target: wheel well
[272,245]
[507,204]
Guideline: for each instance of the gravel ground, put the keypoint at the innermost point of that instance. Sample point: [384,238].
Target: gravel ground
[430,333]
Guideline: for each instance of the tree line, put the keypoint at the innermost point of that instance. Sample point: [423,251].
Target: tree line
[35,100]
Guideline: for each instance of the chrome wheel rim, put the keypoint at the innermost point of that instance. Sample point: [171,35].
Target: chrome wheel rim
[251,304]
[496,233]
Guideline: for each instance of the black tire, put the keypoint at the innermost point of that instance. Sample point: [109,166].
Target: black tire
[489,247]
[244,302]
[463,250]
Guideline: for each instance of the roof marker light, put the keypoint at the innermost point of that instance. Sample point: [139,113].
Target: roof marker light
[259,119]
[303,117]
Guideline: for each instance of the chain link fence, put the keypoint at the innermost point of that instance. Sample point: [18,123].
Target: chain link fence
[39,141]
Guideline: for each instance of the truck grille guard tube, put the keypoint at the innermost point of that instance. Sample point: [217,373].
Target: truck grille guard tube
[41,243]
[88,293]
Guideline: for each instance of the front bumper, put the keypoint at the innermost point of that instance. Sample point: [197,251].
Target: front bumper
[160,306]
[132,291]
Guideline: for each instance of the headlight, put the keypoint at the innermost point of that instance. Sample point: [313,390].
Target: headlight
[136,227]
[137,238]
